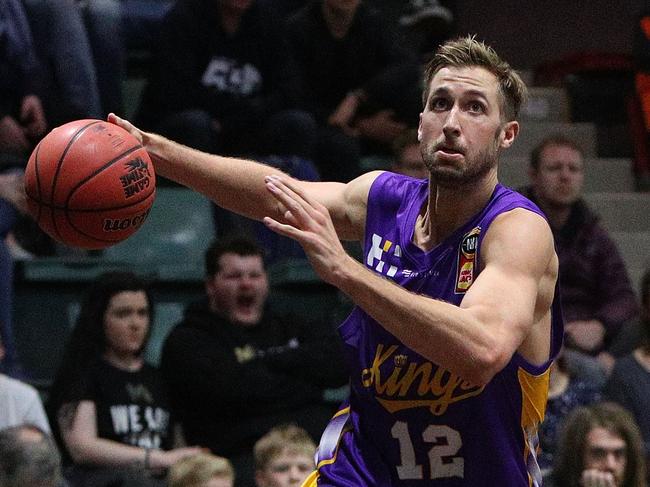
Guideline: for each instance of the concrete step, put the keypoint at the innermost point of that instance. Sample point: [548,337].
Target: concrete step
[545,104]
[635,250]
[531,135]
[601,174]
[628,212]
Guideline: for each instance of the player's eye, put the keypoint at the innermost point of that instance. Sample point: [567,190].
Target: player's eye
[476,107]
[438,103]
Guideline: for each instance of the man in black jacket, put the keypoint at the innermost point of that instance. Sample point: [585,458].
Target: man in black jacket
[235,370]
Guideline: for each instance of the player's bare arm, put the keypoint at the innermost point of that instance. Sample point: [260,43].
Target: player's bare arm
[238,184]
[501,313]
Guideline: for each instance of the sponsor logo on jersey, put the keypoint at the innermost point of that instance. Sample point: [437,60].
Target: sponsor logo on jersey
[409,384]
[381,252]
[466,268]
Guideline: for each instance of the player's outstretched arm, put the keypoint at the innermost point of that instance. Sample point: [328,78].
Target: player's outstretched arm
[238,184]
[507,309]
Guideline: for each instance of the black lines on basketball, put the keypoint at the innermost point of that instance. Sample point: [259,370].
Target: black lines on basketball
[101,180]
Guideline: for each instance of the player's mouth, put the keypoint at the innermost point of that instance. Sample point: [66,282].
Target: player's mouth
[449,150]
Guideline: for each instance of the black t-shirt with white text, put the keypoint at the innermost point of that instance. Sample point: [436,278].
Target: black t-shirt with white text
[131,407]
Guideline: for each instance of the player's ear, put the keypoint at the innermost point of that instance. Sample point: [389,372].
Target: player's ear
[509,133]
[420,129]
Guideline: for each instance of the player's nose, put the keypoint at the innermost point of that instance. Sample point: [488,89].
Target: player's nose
[451,126]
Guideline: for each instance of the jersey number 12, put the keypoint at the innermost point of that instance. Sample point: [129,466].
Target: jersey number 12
[442,462]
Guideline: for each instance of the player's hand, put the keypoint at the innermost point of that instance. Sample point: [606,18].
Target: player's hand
[587,335]
[32,116]
[597,478]
[128,126]
[309,223]
[12,136]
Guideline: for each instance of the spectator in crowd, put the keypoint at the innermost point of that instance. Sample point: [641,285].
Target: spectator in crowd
[362,88]
[597,297]
[407,158]
[28,458]
[600,447]
[22,116]
[629,383]
[12,202]
[235,369]
[202,470]
[83,45]
[284,457]
[566,391]
[20,403]
[221,75]
[108,408]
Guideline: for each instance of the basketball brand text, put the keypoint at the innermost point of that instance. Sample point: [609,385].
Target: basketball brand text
[124,223]
[137,178]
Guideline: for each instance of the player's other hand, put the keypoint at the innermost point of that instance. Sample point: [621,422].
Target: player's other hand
[126,125]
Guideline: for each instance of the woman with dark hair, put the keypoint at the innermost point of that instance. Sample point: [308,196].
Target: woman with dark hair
[108,408]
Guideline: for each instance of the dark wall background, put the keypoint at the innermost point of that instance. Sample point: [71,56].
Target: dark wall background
[527,33]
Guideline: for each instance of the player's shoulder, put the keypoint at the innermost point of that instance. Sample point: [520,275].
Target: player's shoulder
[519,233]
[386,184]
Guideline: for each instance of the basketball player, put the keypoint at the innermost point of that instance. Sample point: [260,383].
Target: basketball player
[456,321]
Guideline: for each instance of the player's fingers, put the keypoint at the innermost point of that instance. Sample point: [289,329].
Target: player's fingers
[298,207]
[125,124]
[309,203]
[283,229]
[293,187]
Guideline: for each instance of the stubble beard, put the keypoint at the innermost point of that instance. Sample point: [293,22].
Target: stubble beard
[472,171]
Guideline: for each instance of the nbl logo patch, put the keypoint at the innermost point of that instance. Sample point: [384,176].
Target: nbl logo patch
[466,269]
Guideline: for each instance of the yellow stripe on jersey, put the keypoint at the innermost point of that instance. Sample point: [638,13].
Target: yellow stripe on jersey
[312,480]
[534,393]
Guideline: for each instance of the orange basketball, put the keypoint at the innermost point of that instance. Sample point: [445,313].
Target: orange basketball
[89,184]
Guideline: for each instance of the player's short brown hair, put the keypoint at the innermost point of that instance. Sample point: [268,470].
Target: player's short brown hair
[468,52]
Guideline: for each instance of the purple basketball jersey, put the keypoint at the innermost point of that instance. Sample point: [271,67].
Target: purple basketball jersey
[408,421]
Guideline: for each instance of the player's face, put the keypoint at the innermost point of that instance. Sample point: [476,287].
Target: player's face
[411,164]
[285,470]
[607,452]
[461,131]
[126,323]
[560,176]
[239,289]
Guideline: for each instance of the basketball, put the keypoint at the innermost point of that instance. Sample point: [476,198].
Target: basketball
[89,184]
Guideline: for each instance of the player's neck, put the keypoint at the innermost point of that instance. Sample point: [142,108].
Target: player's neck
[448,209]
